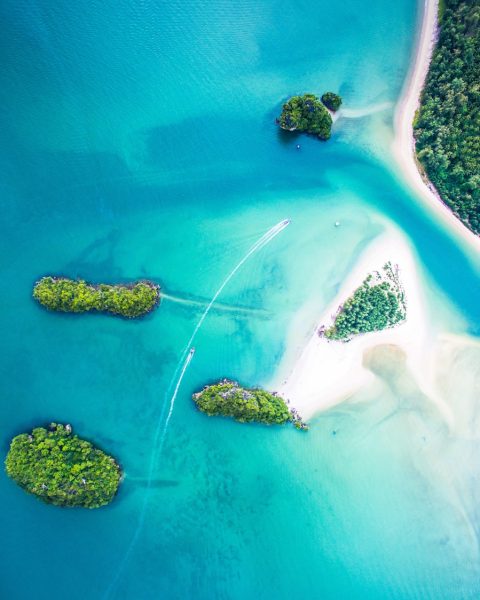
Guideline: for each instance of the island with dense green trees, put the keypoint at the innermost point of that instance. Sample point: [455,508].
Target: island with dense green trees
[77,296]
[62,469]
[228,399]
[308,114]
[447,125]
[332,101]
[379,303]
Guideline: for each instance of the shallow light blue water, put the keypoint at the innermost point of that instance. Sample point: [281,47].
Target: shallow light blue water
[137,140]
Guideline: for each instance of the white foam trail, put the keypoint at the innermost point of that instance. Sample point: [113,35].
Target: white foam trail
[185,361]
[153,460]
[260,243]
[199,304]
[263,241]
[358,113]
[174,395]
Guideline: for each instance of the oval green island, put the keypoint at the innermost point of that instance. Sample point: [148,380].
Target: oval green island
[62,469]
[77,296]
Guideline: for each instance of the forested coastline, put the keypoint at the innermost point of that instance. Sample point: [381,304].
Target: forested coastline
[447,125]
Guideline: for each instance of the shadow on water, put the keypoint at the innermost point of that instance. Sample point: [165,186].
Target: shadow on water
[288,138]
[144,482]
[96,259]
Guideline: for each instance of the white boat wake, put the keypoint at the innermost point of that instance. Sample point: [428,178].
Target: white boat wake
[182,366]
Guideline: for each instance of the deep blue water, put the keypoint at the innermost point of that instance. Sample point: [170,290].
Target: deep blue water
[137,139]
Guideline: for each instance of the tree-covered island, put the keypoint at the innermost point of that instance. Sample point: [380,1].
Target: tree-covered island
[77,296]
[228,399]
[379,303]
[309,114]
[447,125]
[332,101]
[62,469]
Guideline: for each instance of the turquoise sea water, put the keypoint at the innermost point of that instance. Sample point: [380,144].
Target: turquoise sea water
[137,140]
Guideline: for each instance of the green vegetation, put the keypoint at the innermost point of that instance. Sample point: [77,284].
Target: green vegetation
[306,114]
[62,469]
[228,399]
[67,295]
[441,9]
[332,101]
[377,304]
[447,126]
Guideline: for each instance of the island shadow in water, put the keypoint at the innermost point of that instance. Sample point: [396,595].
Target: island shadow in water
[96,259]
[288,138]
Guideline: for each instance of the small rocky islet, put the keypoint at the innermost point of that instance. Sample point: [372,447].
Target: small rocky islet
[228,399]
[310,114]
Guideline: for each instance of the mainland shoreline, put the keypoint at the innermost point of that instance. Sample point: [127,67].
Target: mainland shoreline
[403,145]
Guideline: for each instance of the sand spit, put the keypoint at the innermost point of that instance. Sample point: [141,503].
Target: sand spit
[328,372]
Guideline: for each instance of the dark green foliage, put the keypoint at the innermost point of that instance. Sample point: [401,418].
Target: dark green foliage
[332,101]
[228,399]
[377,304]
[66,295]
[307,114]
[62,469]
[447,126]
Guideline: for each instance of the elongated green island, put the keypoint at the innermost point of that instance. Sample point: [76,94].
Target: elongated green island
[62,469]
[379,303]
[309,114]
[447,125]
[77,296]
[228,399]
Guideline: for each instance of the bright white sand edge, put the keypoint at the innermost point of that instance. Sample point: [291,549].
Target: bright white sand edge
[404,145]
[328,372]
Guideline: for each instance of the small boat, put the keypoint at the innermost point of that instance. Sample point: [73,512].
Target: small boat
[192,351]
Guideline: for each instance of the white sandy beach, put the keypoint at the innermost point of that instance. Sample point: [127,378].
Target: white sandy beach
[328,372]
[404,146]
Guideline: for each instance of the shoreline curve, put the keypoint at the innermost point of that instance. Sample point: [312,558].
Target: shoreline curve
[403,145]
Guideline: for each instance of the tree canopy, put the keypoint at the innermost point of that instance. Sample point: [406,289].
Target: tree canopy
[228,399]
[62,469]
[76,296]
[332,101]
[447,125]
[306,114]
[377,304]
